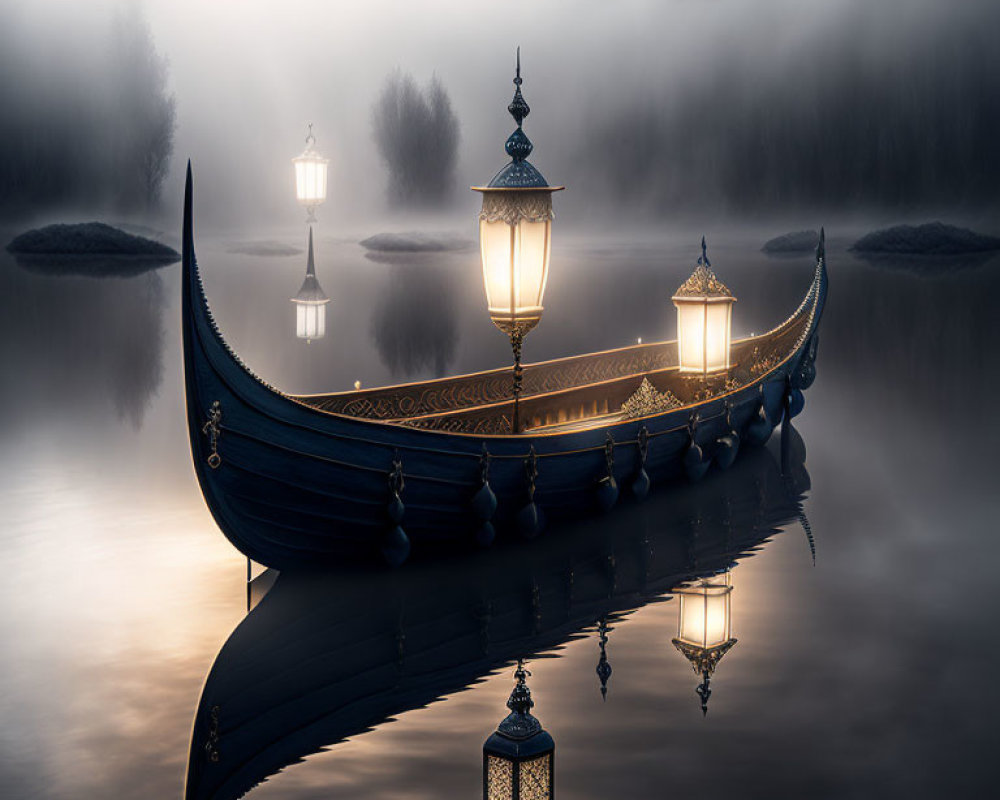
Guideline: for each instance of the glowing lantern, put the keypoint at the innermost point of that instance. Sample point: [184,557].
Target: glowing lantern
[310,303]
[519,758]
[704,320]
[515,234]
[310,177]
[703,634]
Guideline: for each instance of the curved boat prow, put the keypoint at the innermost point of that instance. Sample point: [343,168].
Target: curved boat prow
[187,240]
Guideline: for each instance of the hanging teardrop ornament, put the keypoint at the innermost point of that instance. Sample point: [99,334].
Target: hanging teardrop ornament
[640,481]
[727,445]
[695,464]
[607,486]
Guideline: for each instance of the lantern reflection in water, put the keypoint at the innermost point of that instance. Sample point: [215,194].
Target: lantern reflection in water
[519,758]
[704,627]
[310,303]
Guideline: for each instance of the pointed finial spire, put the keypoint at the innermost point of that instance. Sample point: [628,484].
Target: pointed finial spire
[310,262]
[821,247]
[520,701]
[310,139]
[603,666]
[519,724]
[518,145]
[704,253]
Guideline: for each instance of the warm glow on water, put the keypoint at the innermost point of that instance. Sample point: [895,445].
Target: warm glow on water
[120,591]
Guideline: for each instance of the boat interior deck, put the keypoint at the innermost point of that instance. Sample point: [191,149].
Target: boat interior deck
[566,394]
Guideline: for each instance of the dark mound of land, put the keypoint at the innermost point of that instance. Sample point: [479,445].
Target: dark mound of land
[268,248]
[930,239]
[792,243]
[88,239]
[416,243]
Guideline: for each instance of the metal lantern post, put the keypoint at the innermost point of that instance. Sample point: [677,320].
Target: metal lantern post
[704,627]
[704,320]
[515,235]
[519,758]
[310,177]
[310,302]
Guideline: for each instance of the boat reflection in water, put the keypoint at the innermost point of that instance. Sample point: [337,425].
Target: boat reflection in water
[325,656]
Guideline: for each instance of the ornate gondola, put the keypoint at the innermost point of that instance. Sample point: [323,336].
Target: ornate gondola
[297,480]
[326,655]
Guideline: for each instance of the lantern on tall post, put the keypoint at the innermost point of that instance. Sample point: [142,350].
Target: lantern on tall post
[310,177]
[515,235]
[704,320]
[704,628]
[519,758]
[310,302]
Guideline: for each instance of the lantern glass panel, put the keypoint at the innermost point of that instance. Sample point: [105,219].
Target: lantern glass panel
[691,336]
[535,781]
[515,266]
[717,322]
[310,320]
[705,616]
[310,179]
[499,778]
[704,331]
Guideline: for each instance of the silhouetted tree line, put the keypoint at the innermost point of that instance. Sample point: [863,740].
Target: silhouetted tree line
[73,132]
[855,121]
[417,135]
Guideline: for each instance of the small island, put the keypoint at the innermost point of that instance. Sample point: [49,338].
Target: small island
[930,249]
[414,242]
[929,239]
[89,248]
[792,243]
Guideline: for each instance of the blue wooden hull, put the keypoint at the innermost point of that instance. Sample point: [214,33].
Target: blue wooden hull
[290,484]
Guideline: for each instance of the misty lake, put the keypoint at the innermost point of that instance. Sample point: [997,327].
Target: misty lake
[863,670]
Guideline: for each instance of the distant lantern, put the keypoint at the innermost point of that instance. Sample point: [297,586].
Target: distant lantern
[704,320]
[310,303]
[704,627]
[519,758]
[310,177]
[515,236]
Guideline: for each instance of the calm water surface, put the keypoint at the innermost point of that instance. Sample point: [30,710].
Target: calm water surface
[868,674]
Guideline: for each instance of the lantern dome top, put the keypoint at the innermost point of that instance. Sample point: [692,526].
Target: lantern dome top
[519,173]
[311,291]
[520,735]
[520,723]
[703,284]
